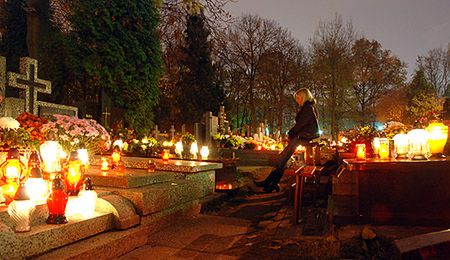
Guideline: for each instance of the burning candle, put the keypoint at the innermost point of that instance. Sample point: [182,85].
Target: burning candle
[9,190]
[166,155]
[360,151]
[383,148]
[400,145]
[105,165]
[194,150]
[179,148]
[204,152]
[376,145]
[438,134]
[418,144]
[84,157]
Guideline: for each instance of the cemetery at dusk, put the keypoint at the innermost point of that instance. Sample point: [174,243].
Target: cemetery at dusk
[224,129]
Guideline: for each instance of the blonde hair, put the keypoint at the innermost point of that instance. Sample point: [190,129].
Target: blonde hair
[306,95]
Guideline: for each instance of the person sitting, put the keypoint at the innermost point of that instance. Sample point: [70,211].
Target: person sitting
[306,128]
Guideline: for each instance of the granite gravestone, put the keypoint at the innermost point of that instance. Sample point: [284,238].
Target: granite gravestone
[28,81]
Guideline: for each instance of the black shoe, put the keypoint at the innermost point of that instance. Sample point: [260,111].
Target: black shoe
[271,187]
[260,183]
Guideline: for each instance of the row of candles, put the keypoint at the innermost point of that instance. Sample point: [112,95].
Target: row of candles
[25,186]
[417,144]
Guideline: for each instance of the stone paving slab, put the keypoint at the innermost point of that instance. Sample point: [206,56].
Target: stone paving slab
[163,253]
[199,238]
[103,246]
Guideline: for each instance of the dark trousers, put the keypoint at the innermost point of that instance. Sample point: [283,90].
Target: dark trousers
[288,151]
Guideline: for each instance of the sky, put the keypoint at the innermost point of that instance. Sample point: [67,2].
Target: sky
[406,27]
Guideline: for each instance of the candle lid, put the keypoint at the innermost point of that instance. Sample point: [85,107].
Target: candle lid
[34,158]
[13,153]
[88,184]
[35,172]
[73,156]
[21,193]
[58,183]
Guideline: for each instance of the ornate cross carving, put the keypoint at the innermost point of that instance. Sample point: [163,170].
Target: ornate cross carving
[27,79]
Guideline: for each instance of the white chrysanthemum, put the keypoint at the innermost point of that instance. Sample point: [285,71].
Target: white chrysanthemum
[9,123]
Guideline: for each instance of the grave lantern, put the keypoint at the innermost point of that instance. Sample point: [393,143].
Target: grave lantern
[437,138]
[383,151]
[360,151]
[400,145]
[116,157]
[84,157]
[179,148]
[376,145]
[418,144]
[204,152]
[118,143]
[105,165]
[20,210]
[194,150]
[37,188]
[87,199]
[151,166]
[74,174]
[166,155]
[51,155]
[9,190]
[57,202]
[12,170]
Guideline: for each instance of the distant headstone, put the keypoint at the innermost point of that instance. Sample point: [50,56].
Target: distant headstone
[172,132]
[47,110]
[198,133]
[183,129]
[156,131]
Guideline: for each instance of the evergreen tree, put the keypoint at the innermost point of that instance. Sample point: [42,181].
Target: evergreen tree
[199,93]
[114,47]
[421,97]
[13,43]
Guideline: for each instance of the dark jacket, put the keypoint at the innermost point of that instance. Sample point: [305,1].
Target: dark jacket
[306,125]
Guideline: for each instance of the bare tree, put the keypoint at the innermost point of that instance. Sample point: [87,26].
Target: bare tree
[436,66]
[375,72]
[282,67]
[241,48]
[332,67]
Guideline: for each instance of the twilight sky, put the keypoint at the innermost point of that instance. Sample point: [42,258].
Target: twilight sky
[406,27]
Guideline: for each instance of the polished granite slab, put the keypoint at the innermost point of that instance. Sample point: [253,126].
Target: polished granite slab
[171,165]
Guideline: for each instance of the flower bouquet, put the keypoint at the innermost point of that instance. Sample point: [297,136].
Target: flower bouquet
[12,135]
[74,133]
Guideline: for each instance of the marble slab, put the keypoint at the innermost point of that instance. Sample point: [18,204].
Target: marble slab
[131,178]
[172,165]
[154,198]
[43,237]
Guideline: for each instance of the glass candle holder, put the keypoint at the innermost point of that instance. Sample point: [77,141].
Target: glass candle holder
[383,151]
[418,144]
[437,138]
[87,199]
[204,152]
[401,146]
[360,151]
[376,145]
[21,209]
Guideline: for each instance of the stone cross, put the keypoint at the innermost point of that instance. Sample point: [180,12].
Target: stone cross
[2,85]
[28,80]
[106,115]
[156,131]
[172,132]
